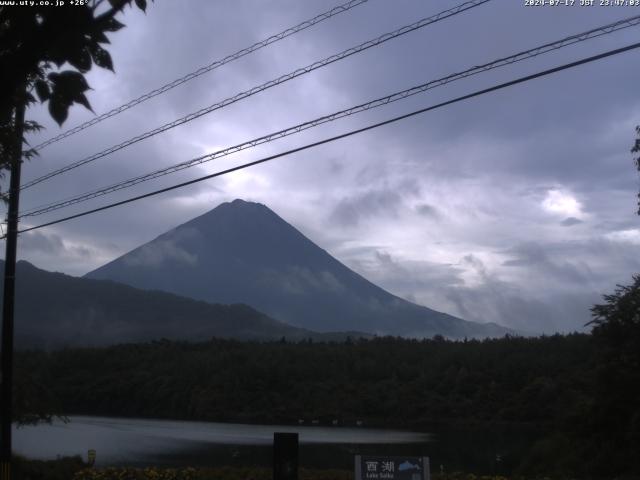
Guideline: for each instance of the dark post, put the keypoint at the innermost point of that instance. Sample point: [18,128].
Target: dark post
[285,456]
[6,366]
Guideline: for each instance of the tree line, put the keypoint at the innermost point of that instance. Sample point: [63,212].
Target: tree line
[548,383]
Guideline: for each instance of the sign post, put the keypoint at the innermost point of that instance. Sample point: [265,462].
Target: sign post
[91,457]
[392,468]
[285,456]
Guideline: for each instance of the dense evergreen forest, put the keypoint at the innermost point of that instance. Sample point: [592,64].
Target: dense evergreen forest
[551,384]
[385,381]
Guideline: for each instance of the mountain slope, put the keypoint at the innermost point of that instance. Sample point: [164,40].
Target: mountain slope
[55,310]
[242,252]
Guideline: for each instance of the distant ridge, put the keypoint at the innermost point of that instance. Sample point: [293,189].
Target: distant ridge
[242,252]
[54,310]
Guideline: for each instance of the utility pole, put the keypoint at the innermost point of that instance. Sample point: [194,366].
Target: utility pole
[6,365]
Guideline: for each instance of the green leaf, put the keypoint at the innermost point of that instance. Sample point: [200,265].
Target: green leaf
[42,90]
[82,100]
[68,88]
[100,37]
[32,126]
[80,59]
[67,83]
[58,110]
[101,57]
[118,4]
[113,25]
[56,55]
[29,98]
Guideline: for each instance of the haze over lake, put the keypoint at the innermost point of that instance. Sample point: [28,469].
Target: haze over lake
[137,441]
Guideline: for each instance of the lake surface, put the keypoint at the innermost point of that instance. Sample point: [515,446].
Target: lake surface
[119,441]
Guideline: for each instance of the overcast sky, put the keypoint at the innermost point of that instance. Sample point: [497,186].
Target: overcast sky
[516,207]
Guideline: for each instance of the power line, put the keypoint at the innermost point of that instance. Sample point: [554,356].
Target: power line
[580,37]
[207,68]
[272,83]
[344,135]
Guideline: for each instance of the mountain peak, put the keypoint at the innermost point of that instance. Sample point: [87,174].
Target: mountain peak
[243,252]
[235,209]
[240,203]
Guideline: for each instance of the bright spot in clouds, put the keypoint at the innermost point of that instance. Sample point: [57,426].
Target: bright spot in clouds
[246,179]
[627,236]
[560,202]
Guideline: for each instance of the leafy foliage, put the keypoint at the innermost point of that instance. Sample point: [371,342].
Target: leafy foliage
[74,469]
[32,401]
[138,474]
[579,392]
[616,412]
[636,149]
[536,383]
[619,316]
[61,469]
[36,43]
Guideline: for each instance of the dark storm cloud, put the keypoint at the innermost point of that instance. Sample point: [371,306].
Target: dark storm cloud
[378,201]
[349,211]
[562,313]
[408,279]
[38,242]
[516,307]
[51,252]
[428,211]
[534,256]
[519,305]
[537,291]
[570,221]
[50,244]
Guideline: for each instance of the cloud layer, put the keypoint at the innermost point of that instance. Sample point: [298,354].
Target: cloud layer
[516,207]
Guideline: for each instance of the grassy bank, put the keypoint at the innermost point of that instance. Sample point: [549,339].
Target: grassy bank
[239,473]
[75,469]
[61,469]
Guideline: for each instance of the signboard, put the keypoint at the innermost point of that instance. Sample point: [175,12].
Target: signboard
[392,468]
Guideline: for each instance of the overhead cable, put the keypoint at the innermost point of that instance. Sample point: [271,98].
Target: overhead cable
[260,88]
[524,55]
[341,136]
[207,68]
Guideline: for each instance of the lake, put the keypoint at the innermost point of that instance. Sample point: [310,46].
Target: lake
[120,441]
